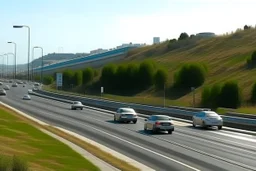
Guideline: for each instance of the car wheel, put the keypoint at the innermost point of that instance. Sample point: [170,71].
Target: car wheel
[170,132]
[115,118]
[145,128]
[219,127]
[194,125]
[135,122]
[81,108]
[203,125]
[154,130]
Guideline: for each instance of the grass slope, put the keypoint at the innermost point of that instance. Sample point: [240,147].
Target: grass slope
[42,152]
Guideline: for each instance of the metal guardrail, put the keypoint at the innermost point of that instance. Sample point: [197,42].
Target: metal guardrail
[236,122]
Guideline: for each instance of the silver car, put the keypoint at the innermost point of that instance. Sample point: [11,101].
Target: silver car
[157,123]
[2,92]
[26,97]
[126,115]
[207,119]
[77,105]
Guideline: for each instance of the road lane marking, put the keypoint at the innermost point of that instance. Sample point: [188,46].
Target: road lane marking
[236,136]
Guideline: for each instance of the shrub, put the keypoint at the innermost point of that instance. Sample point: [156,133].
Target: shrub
[48,80]
[206,97]
[160,78]
[132,75]
[215,96]
[88,75]
[183,36]
[78,78]
[230,95]
[190,75]
[146,73]
[251,61]
[121,77]
[68,78]
[18,164]
[253,94]
[108,76]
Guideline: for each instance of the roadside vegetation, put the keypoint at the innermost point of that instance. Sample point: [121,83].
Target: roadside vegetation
[24,147]
[221,69]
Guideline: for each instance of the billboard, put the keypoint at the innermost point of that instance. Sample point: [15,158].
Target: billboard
[59,79]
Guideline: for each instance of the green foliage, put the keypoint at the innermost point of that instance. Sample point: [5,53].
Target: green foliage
[47,80]
[230,96]
[78,78]
[253,94]
[160,78]
[206,97]
[13,164]
[251,61]
[121,77]
[132,75]
[88,75]
[37,78]
[146,73]
[68,78]
[183,36]
[190,75]
[210,96]
[108,74]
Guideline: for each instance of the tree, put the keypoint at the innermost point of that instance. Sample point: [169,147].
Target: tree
[88,75]
[230,95]
[253,94]
[190,75]
[206,97]
[146,73]
[132,75]
[215,96]
[246,27]
[183,36]
[68,78]
[48,80]
[192,35]
[160,78]
[121,77]
[78,78]
[108,76]
[251,61]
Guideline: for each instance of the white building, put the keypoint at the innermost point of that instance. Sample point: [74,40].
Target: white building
[156,40]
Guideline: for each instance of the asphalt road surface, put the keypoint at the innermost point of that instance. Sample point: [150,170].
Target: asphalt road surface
[187,149]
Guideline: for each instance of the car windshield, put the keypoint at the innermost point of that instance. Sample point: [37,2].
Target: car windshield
[211,114]
[77,102]
[162,118]
[127,111]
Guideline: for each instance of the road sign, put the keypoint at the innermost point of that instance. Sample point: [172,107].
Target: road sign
[59,79]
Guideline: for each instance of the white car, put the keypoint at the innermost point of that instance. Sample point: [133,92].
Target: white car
[30,91]
[26,97]
[1,83]
[77,105]
[14,85]
[126,115]
[157,123]
[6,87]
[2,92]
[207,119]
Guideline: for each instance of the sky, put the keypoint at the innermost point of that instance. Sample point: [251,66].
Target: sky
[77,26]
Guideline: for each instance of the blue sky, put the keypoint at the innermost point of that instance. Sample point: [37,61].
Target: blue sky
[82,25]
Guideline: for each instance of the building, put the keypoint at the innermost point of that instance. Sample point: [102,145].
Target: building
[156,40]
[205,34]
[96,51]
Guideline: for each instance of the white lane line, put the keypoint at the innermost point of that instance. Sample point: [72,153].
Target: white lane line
[239,134]
[217,138]
[236,136]
[138,146]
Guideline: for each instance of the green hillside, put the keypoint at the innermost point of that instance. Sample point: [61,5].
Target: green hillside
[225,57]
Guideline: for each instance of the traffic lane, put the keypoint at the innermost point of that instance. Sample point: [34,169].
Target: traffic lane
[151,159]
[210,147]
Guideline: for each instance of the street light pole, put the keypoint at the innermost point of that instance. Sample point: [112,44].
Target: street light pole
[2,75]
[42,62]
[15,60]
[21,26]
[7,60]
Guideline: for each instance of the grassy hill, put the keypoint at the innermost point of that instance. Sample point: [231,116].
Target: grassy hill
[224,55]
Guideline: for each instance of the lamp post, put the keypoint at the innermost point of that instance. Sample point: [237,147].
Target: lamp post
[2,75]
[15,60]
[21,26]
[42,64]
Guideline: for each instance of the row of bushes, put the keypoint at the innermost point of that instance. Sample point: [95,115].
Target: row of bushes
[12,164]
[226,95]
[78,77]
[133,76]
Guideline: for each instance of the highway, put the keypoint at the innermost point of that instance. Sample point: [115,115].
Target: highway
[187,149]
